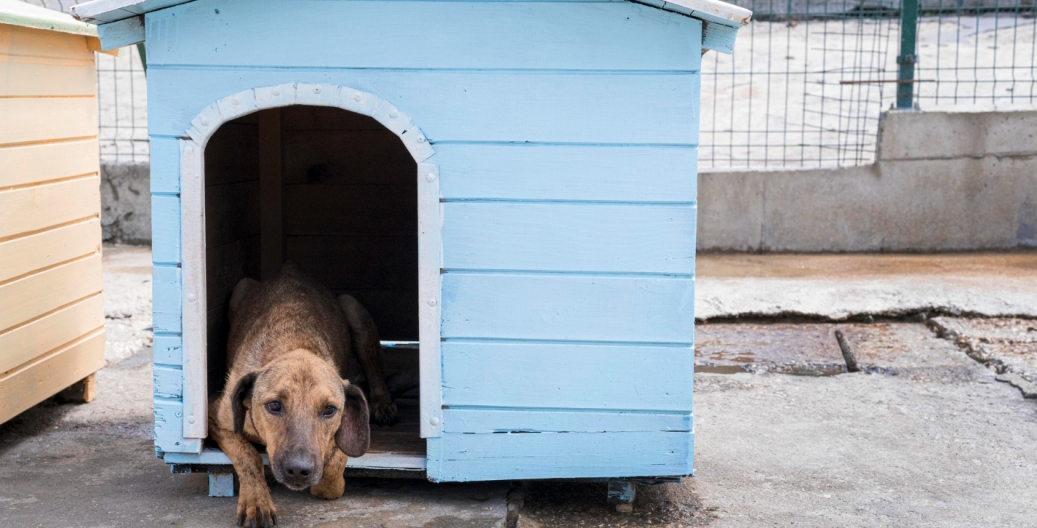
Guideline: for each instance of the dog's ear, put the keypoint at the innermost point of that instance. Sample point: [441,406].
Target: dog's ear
[354,433]
[242,394]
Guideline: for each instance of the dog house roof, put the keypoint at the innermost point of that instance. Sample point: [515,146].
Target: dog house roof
[18,13]
[103,12]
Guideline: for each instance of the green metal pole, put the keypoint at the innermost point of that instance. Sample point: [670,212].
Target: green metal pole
[143,51]
[908,54]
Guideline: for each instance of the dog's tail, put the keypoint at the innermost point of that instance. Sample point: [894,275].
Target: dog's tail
[402,382]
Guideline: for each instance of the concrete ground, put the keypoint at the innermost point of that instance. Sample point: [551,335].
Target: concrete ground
[924,434]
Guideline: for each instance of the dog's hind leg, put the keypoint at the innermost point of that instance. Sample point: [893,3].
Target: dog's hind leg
[368,349]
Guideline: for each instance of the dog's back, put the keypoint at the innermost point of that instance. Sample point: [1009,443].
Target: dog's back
[288,312]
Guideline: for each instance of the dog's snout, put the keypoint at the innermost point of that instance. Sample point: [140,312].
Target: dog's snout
[298,469]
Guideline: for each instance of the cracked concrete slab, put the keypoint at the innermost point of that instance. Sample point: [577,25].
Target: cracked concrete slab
[842,286]
[1009,346]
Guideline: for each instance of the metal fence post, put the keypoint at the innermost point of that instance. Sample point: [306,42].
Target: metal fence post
[908,54]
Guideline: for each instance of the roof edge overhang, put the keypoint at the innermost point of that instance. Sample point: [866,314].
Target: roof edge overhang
[18,13]
[121,22]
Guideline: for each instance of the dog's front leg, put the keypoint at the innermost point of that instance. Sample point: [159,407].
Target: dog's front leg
[255,506]
[333,483]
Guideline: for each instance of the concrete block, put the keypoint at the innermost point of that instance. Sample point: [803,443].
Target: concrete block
[938,135]
[126,203]
[731,210]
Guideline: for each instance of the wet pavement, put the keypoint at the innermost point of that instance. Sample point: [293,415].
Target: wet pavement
[923,434]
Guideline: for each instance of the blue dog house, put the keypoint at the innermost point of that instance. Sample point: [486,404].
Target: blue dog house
[508,186]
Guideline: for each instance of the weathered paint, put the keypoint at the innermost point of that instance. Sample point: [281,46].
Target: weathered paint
[562,293]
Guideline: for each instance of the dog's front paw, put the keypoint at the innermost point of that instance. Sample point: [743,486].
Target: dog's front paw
[256,511]
[383,412]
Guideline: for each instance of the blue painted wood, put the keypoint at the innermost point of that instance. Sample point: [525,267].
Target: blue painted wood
[574,376]
[221,484]
[473,457]
[165,165]
[165,229]
[166,293]
[425,35]
[569,307]
[168,349]
[480,420]
[569,237]
[469,106]
[125,32]
[169,382]
[567,172]
[719,37]
[169,428]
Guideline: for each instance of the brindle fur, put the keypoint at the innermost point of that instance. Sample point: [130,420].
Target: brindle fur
[291,342]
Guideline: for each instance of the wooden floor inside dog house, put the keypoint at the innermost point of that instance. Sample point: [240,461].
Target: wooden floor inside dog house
[335,193]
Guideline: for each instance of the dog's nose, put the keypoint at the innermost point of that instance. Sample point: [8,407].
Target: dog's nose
[298,467]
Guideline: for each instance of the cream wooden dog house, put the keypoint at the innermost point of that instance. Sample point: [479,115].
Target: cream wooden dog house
[51,312]
[509,186]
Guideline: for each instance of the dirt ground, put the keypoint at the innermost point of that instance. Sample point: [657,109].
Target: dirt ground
[924,434]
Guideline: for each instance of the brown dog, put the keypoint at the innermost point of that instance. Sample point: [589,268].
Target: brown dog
[290,357]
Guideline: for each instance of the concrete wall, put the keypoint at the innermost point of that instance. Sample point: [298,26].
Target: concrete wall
[126,203]
[943,181]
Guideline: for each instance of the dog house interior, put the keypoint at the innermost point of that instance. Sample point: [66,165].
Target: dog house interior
[335,193]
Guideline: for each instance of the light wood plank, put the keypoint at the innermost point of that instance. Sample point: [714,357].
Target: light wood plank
[471,106]
[574,376]
[31,208]
[26,342]
[568,172]
[271,192]
[643,309]
[22,255]
[473,457]
[449,35]
[557,421]
[45,377]
[23,79]
[47,119]
[39,293]
[23,42]
[20,165]
[569,237]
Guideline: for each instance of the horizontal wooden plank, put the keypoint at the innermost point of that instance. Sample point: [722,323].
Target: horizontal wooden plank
[231,212]
[568,307]
[540,421]
[168,349]
[567,172]
[28,209]
[22,255]
[452,35]
[22,43]
[24,164]
[168,381]
[31,78]
[576,376]
[165,165]
[47,119]
[26,386]
[165,228]
[472,457]
[469,105]
[166,294]
[27,342]
[369,263]
[368,210]
[350,157]
[169,428]
[34,295]
[569,237]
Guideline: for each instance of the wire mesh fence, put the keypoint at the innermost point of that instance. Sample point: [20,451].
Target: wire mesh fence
[809,80]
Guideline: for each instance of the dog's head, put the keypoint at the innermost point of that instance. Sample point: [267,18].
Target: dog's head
[303,411]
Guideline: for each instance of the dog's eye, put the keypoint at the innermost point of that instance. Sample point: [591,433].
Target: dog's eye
[328,411]
[274,407]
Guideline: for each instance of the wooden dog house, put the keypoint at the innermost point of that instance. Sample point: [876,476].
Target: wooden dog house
[509,186]
[51,311]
